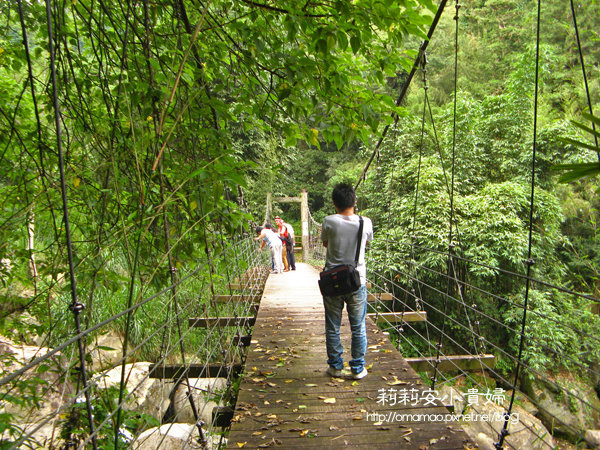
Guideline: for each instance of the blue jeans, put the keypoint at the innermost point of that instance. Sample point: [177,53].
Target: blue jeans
[356,305]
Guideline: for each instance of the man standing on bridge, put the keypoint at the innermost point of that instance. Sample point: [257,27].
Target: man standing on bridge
[339,234]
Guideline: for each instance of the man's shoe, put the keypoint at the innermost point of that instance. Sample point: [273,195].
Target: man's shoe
[337,373]
[363,373]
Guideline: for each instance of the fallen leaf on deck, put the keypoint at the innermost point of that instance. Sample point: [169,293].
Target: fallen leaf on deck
[396,382]
[329,400]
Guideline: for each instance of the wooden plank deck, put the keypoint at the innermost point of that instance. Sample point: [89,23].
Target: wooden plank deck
[287,400]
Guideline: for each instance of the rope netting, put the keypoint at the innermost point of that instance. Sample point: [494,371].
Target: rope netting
[170,388]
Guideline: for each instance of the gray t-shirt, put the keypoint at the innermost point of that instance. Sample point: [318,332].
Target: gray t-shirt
[340,233]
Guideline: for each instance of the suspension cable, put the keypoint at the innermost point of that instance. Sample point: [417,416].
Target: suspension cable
[585,80]
[75,306]
[400,98]
[451,218]
[529,262]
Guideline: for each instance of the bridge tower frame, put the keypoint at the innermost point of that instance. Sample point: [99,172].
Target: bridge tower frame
[303,200]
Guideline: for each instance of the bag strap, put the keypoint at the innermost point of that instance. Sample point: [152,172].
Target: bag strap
[359,240]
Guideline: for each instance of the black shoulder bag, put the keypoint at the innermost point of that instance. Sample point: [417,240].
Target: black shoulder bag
[344,279]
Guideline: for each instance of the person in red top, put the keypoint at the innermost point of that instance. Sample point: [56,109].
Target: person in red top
[286,232]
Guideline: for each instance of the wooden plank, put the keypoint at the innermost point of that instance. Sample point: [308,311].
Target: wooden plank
[222,416]
[205,322]
[242,341]
[468,363]
[251,288]
[287,199]
[396,317]
[172,371]
[236,298]
[380,296]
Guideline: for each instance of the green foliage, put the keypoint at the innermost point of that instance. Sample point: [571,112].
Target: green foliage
[409,199]
[575,171]
[75,428]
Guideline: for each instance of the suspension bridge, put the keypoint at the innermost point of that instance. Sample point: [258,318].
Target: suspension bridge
[247,353]
[227,355]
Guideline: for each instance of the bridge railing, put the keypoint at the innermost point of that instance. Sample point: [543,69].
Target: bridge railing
[167,362]
[466,338]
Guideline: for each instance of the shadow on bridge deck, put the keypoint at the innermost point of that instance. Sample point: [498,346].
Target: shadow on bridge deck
[287,400]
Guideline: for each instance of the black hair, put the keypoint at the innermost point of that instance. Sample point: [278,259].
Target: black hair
[343,196]
[268,226]
[258,230]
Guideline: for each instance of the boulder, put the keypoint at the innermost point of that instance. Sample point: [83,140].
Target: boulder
[567,411]
[145,395]
[52,388]
[106,351]
[452,396]
[172,436]
[207,394]
[592,437]
[484,421]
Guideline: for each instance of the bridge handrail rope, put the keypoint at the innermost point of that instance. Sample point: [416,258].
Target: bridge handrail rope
[539,342]
[184,311]
[451,219]
[75,306]
[456,323]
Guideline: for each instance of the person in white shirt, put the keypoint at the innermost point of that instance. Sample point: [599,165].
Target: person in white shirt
[272,240]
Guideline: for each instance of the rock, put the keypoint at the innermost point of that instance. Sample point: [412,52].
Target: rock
[48,379]
[592,437]
[46,436]
[450,394]
[145,395]
[484,421]
[568,411]
[106,351]
[207,394]
[172,436]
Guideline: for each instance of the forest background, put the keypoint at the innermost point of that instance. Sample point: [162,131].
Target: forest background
[174,119]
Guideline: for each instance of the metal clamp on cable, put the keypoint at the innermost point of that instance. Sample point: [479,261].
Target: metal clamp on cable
[76,307]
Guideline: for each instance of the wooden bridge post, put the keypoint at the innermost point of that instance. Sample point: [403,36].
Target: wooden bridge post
[304,218]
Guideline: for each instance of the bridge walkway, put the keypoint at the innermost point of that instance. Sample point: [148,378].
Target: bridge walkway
[287,400]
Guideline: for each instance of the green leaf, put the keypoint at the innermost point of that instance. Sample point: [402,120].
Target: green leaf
[577,171]
[579,143]
[342,40]
[355,43]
